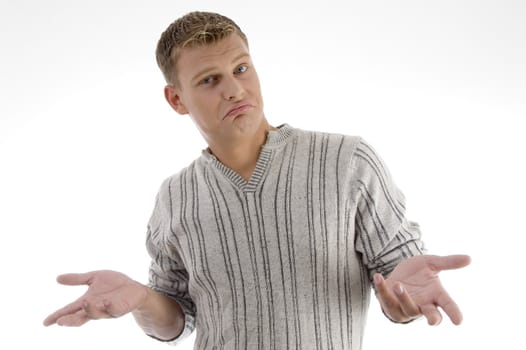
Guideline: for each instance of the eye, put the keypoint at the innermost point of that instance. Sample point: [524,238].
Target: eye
[241,69]
[207,80]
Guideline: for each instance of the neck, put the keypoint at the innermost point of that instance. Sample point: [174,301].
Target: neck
[241,155]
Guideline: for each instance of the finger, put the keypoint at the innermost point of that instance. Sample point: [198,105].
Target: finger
[407,304]
[380,285]
[75,279]
[66,310]
[386,297]
[74,320]
[432,314]
[450,308]
[449,262]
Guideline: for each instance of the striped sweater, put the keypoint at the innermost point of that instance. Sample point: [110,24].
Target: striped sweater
[284,260]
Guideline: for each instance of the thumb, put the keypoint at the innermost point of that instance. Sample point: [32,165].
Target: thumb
[75,279]
[448,262]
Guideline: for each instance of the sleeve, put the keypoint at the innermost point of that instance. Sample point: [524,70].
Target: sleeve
[383,235]
[167,273]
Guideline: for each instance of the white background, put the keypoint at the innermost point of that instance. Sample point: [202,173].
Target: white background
[437,87]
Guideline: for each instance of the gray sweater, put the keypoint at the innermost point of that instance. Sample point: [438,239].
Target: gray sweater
[285,260]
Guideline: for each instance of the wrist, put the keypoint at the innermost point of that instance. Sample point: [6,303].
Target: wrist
[147,294]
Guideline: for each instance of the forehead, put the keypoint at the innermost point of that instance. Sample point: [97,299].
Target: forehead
[193,59]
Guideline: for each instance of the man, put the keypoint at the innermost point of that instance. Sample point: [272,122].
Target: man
[273,237]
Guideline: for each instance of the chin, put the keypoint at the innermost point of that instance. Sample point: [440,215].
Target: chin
[247,123]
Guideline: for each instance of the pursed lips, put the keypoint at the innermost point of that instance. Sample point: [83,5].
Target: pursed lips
[237,109]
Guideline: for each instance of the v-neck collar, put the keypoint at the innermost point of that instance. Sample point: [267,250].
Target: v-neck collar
[275,139]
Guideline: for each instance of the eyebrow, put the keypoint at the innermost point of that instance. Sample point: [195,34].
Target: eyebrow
[209,69]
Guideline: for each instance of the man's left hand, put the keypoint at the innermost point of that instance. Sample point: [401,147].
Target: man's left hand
[413,289]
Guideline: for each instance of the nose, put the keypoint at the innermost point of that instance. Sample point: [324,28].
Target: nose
[232,89]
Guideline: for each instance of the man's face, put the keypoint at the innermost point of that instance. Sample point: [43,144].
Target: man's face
[219,88]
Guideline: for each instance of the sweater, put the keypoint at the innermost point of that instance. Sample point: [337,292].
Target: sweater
[286,259]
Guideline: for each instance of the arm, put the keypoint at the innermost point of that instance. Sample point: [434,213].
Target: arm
[112,294]
[160,316]
[390,245]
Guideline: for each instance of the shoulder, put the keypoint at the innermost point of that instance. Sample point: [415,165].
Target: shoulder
[362,158]
[348,142]
[171,185]
[365,156]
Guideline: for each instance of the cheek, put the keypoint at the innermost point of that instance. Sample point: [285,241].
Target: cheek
[206,106]
[253,86]
[201,101]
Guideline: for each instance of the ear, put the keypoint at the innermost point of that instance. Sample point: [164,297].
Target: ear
[171,93]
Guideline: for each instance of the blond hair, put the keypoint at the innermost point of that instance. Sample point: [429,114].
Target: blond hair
[192,30]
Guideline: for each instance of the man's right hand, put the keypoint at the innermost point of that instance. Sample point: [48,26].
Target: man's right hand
[110,294]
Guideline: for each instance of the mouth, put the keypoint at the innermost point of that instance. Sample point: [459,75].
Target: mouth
[237,110]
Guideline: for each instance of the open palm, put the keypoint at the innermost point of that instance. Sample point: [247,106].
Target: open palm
[110,294]
[414,289]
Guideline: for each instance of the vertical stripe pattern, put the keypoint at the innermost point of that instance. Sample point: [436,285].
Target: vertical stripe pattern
[284,260]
